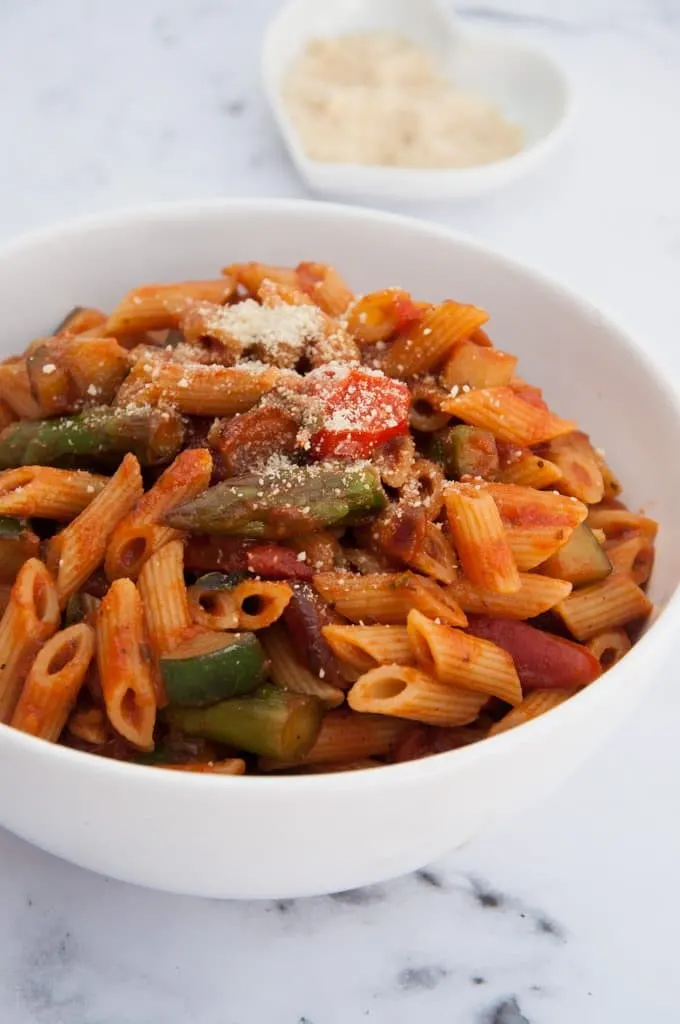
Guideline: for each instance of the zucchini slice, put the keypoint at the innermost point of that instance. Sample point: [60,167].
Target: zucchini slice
[211,667]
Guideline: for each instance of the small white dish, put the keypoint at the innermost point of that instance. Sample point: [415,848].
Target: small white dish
[529,87]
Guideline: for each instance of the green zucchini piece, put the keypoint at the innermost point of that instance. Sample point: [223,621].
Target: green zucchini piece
[465,451]
[270,722]
[221,580]
[211,667]
[581,560]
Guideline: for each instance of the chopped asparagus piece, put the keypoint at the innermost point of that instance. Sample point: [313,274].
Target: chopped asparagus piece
[295,500]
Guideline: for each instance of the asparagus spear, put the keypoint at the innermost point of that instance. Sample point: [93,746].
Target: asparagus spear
[100,433]
[295,500]
[270,721]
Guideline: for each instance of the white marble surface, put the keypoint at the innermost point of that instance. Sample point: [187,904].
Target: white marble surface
[568,914]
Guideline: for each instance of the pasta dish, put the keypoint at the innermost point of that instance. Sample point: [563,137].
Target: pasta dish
[262,524]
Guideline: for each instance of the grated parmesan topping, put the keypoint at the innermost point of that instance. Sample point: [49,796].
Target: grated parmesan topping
[269,329]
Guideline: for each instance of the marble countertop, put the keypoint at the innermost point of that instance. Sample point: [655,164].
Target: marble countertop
[565,915]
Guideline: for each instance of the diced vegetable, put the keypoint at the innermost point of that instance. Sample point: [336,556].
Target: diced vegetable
[101,434]
[305,616]
[211,667]
[270,722]
[238,555]
[465,451]
[362,411]
[298,499]
[80,607]
[399,531]
[251,438]
[18,543]
[221,580]
[581,560]
[543,660]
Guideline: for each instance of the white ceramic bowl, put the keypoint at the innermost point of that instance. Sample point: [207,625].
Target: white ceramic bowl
[280,837]
[526,84]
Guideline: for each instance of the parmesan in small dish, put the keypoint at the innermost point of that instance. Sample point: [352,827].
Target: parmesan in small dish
[396,99]
[377,98]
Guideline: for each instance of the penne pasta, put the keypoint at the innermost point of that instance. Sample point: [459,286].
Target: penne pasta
[251,276]
[346,737]
[435,555]
[75,552]
[533,705]
[579,465]
[325,286]
[66,373]
[79,320]
[425,345]
[196,389]
[425,414]
[230,766]
[615,601]
[405,692]
[480,538]
[459,659]
[524,468]
[536,523]
[632,556]
[253,604]
[507,415]
[124,665]
[537,594]
[387,597]
[30,618]
[15,390]
[90,725]
[366,647]
[610,482]
[164,597]
[53,683]
[617,521]
[395,461]
[142,531]
[375,317]
[609,647]
[424,487]
[478,367]
[155,307]
[41,492]
[287,672]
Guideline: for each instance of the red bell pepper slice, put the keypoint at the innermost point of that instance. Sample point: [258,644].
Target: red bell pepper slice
[543,660]
[361,412]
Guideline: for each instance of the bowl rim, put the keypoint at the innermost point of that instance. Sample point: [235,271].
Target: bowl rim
[372,175]
[423,768]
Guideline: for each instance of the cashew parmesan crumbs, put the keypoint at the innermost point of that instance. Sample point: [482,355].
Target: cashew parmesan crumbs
[375,98]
